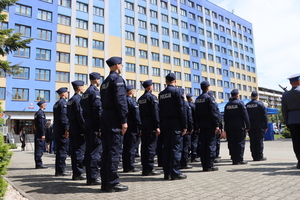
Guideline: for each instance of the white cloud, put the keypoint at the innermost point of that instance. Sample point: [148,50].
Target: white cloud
[276,37]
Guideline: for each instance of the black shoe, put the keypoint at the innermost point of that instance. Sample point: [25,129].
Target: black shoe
[116,188]
[42,166]
[80,177]
[210,169]
[187,167]
[132,170]
[179,177]
[298,165]
[63,174]
[261,159]
[196,160]
[218,157]
[217,161]
[240,163]
[151,173]
[94,182]
[167,177]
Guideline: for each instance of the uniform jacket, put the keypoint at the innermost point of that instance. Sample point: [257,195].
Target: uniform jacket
[60,114]
[189,113]
[236,115]
[171,105]
[206,112]
[40,123]
[113,96]
[291,106]
[148,105]
[257,114]
[133,120]
[75,113]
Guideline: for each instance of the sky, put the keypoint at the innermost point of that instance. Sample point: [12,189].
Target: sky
[276,32]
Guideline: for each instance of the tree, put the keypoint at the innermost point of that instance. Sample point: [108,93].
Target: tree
[9,42]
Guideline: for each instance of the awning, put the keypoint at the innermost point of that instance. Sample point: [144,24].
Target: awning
[21,115]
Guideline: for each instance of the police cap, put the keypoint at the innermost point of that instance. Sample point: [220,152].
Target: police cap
[170,77]
[204,84]
[254,94]
[129,87]
[41,102]
[113,61]
[188,96]
[294,77]
[94,76]
[62,90]
[147,83]
[77,83]
[234,92]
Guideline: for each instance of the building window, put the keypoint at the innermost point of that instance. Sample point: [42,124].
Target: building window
[176,47]
[225,72]
[62,57]
[196,65]
[48,1]
[98,11]
[81,7]
[20,94]
[202,55]
[154,27]
[156,87]
[45,15]
[80,60]
[166,72]
[196,79]
[143,54]
[219,71]
[129,35]
[153,2]
[194,52]
[155,71]
[155,56]
[23,52]
[2,92]
[65,3]
[24,73]
[98,62]
[185,37]
[62,76]
[81,24]
[23,10]
[165,31]
[220,95]
[197,91]
[131,82]
[177,61]
[129,20]
[4,25]
[232,85]
[98,45]
[164,4]
[166,45]
[175,34]
[129,5]
[193,28]
[44,34]
[130,67]
[183,12]
[174,8]
[185,50]
[143,69]
[129,51]
[153,14]
[238,75]
[143,39]
[154,42]
[211,69]
[192,16]
[142,24]
[164,18]
[166,59]
[186,63]
[43,54]
[42,95]
[212,81]
[82,42]
[184,25]
[24,30]
[187,77]
[203,67]
[99,28]
[178,75]
[63,38]
[81,77]
[220,83]
[65,20]
[42,74]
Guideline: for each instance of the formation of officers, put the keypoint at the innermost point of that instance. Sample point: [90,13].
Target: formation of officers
[99,127]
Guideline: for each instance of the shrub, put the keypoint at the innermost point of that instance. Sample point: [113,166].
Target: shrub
[286,132]
[5,156]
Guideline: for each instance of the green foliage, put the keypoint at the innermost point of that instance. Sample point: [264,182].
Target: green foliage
[12,145]
[5,156]
[3,187]
[286,132]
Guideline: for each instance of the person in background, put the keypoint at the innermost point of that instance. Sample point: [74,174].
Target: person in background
[23,138]
[49,137]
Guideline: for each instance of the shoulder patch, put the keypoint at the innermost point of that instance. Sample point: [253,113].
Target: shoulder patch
[119,83]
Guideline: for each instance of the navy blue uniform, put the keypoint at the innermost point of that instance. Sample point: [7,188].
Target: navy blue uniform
[115,111]
[40,130]
[77,139]
[186,143]
[91,106]
[173,120]
[130,137]
[259,123]
[206,117]
[61,124]
[195,135]
[236,122]
[148,105]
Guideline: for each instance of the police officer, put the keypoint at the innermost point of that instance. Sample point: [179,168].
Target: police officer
[91,106]
[206,117]
[236,125]
[291,111]
[148,105]
[77,139]
[39,135]
[259,124]
[186,140]
[134,127]
[61,132]
[195,134]
[114,125]
[173,125]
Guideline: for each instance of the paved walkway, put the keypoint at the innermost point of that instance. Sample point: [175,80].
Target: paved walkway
[276,178]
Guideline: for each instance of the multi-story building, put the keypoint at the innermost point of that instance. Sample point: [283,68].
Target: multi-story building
[272,98]
[197,40]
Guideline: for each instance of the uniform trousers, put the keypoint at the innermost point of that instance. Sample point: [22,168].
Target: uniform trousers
[194,145]
[236,143]
[186,143]
[256,143]
[208,147]
[112,146]
[38,151]
[295,132]
[159,148]
[129,145]
[218,143]
[148,149]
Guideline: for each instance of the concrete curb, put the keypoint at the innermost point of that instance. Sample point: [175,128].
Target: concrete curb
[24,194]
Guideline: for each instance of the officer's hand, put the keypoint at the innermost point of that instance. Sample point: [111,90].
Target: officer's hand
[66,133]
[140,133]
[191,132]
[183,132]
[217,130]
[99,133]
[124,128]
[43,138]
[246,130]
[157,133]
